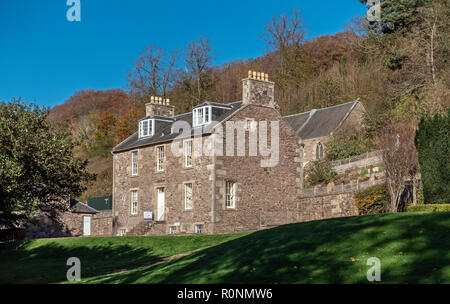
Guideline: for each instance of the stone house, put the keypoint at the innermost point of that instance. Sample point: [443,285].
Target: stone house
[221,168]
[316,126]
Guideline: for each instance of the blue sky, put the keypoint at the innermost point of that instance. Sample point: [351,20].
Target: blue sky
[45,59]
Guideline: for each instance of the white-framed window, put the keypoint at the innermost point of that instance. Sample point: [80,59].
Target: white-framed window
[122,232]
[172,229]
[134,163]
[160,158]
[134,202]
[250,124]
[319,151]
[188,196]
[230,195]
[201,116]
[188,153]
[146,128]
[198,228]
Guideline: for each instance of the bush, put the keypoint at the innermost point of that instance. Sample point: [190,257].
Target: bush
[433,144]
[372,200]
[429,208]
[348,141]
[320,171]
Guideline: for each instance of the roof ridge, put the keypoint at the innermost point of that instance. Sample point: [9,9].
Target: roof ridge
[338,105]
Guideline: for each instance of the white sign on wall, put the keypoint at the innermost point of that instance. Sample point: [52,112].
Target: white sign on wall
[148,215]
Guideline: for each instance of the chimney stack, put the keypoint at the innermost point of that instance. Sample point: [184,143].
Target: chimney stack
[159,106]
[257,89]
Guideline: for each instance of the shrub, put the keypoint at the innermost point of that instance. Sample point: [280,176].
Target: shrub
[433,144]
[348,141]
[320,171]
[372,200]
[429,208]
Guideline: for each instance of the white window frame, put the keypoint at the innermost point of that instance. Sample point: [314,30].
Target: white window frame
[188,154]
[250,124]
[204,118]
[134,203]
[172,229]
[150,128]
[134,163]
[197,229]
[230,194]
[187,198]
[160,159]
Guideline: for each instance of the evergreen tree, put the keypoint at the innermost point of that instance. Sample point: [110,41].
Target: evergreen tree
[433,146]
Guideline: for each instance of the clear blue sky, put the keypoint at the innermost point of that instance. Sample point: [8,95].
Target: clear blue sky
[45,59]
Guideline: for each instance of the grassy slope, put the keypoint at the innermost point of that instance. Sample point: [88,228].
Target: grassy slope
[413,248]
[44,261]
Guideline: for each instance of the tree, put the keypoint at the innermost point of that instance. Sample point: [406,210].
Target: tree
[38,172]
[285,35]
[400,14]
[400,158]
[433,146]
[153,73]
[198,59]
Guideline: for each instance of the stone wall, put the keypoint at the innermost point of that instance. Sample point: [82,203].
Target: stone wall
[358,162]
[259,190]
[172,179]
[102,223]
[70,225]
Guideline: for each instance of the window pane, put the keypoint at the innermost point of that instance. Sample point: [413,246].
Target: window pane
[145,127]
[134,160]
[207,115]
[188,196]
[230,194]
[188,153]
[200,116]
[134,202]
[160,159]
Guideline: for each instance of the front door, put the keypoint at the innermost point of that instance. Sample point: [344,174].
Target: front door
[161,197]
[86,225]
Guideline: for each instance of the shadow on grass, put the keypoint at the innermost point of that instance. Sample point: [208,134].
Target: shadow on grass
[413,248]
[47,264]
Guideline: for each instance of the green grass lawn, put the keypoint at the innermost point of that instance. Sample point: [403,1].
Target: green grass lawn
[412,247]
[44,261]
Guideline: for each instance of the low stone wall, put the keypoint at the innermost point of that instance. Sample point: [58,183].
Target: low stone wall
[102,224]
[358,162]
[318,203]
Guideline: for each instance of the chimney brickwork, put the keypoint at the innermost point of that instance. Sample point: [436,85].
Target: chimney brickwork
[159,106]
[257,89]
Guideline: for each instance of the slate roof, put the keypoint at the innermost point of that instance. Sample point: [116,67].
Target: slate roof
[164,134]
[322,122]
[79,207]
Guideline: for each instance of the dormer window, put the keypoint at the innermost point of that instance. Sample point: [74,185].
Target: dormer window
[146,128]
[201,116]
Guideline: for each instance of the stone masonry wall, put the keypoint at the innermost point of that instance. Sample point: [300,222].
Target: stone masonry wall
[260,191]
[172,179]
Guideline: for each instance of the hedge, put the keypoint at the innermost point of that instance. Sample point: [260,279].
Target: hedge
[429,208]
[433,147]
